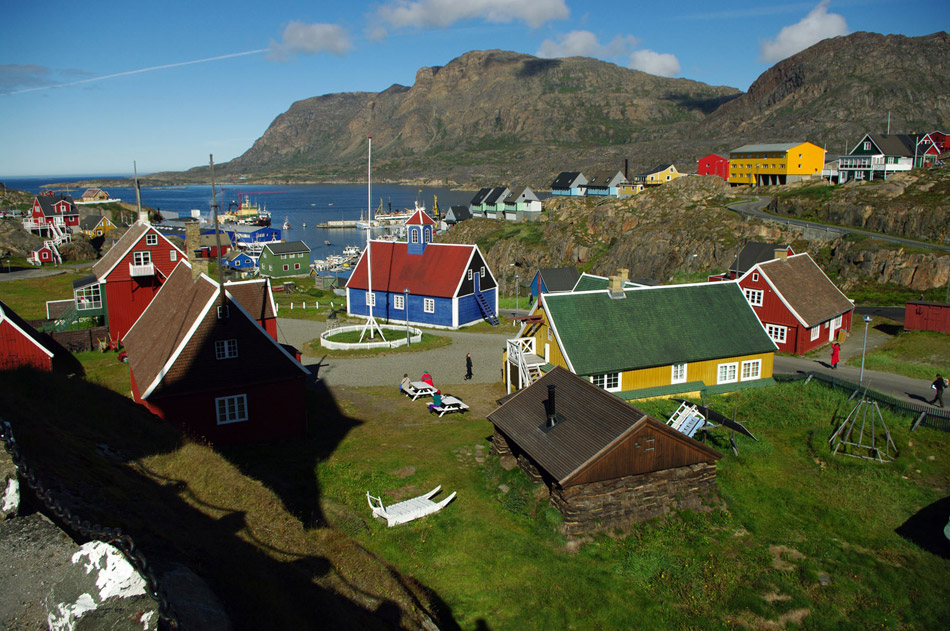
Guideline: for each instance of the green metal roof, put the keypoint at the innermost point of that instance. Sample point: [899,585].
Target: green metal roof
[655,326]
[589,282]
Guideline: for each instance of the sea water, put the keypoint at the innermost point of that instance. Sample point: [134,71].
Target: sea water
[297,204]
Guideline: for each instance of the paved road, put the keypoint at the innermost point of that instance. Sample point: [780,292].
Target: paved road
[40,272]
[446,364]
[755,208]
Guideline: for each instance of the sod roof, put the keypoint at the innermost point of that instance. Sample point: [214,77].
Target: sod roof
[655,326]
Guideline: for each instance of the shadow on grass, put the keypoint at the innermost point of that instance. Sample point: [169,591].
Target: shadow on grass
[925,528]
[109,461]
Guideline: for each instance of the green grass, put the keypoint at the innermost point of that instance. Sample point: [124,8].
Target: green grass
[915,354]
[428,342]
[28,296]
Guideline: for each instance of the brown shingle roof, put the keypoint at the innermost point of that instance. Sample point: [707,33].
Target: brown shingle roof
[806,289]
[253,296]
[118,251]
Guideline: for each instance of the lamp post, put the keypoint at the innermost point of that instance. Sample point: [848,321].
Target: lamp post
[516,295]
[867,320]
[405,305]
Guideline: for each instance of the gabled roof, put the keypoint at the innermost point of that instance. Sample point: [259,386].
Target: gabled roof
[890,145]
[804,288]
[420,218]
[559,278]
[436,272]
[458,213]
[604,177]
[654,326]
[520,192]
[497,194]
[47,345]
[657,169]
[764,148]
[287,247]
[566,179]
[589,282]
[480,196]
[47,203]
[594,421]
[124,245]
[178,325]
[90,222]
[255,296]
[752,253]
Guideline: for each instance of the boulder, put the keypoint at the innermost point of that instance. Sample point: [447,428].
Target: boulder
[9,486]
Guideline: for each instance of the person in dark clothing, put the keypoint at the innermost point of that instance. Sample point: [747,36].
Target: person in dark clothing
[938,385]
[468,366]
[835,355]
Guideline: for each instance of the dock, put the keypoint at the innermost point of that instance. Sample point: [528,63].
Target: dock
[338,223]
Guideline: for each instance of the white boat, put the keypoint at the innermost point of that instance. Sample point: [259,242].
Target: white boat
[286,225]
[352,251]
[303,225]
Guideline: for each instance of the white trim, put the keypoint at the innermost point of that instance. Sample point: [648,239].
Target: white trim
[235,397]
[226,349]
[280,347]
[148,226]
[553,327]
[426,302]
[779,328]
[605,376]
[726,366]
[757,363]
[673,379]
[4,317]
[399,302]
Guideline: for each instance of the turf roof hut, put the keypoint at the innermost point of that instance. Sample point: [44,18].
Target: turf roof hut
[607,464]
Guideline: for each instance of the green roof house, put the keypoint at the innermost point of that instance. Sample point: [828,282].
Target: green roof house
[291,258]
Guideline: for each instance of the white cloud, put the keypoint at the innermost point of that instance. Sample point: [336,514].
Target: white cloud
[660,64]
[310,39]
[442,13]
[814,27]
[585,44]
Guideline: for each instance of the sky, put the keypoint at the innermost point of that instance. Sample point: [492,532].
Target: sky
[89,88]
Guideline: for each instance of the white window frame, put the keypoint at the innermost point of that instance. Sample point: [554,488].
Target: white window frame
[371,298]
[608,381]
[482,273]
[470,274]
[231,409]
[755,276]
[399,302]
[836,323]
[173,255]
[754,296]
[727,373]
[224,312]
[428,305]
[151,239]
[426,235]
[286,268]
[678,373]
[141,258]
[414,236]
[296,265]
[226,349]
[815,331]
[751,369]
[777,332]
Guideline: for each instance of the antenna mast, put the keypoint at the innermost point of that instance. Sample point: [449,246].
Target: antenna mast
[138,192]
[217,230]
[371,325]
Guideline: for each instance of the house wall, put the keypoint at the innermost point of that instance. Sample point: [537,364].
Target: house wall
[17,350]
[384,309]
[272,265]
[620,503]
[920,316]
[714,165]
[126,300]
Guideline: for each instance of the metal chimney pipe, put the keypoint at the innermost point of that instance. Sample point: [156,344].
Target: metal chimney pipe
[552,415]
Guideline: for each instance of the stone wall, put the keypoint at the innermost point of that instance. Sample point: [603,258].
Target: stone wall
[618,504]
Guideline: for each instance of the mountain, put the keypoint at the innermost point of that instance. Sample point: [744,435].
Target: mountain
[496,116]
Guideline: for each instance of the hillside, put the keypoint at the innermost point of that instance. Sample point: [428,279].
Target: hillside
[497,116]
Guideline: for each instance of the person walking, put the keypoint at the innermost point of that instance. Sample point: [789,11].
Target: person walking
[835,355]
[468,366]
[938,385]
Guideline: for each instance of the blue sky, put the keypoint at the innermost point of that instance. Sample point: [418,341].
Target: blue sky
[88,87]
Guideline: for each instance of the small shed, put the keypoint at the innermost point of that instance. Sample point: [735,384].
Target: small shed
[927,316]
[607,464]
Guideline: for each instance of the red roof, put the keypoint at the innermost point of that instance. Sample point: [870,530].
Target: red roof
[436,272]
[419,218]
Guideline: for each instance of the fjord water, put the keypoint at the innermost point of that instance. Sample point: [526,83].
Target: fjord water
[298,204]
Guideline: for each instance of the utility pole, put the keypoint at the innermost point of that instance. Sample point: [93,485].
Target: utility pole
[217,229]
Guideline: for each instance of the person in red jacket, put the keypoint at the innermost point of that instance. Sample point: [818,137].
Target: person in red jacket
[427,378]
[835,354]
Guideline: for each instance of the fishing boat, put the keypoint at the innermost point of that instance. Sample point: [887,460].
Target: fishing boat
[286,225]
[303,225]
[366,223]
[352,251]
[246,213]
[326,242]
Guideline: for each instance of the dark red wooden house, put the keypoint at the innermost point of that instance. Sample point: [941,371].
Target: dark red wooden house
[199,359]
[927,316]
[128,277]
[22,345]
[607,464]
[49,211]
[797,304]
[714,164]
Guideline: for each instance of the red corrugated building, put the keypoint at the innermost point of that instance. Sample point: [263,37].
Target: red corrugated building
[927,316]
[714,164]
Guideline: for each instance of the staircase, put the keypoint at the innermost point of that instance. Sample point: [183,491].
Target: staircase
[67,319]
[486,308]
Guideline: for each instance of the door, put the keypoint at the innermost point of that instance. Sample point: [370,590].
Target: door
[475,279]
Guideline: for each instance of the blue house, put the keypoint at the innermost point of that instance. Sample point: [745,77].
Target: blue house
[606,183]
[444,285]
[570,183]
[241,234]
[241,261]
[552,279]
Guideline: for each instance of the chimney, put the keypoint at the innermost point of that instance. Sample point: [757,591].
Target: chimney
[192,236]
[626,163]
[616,283]
[781,253]
[552,413]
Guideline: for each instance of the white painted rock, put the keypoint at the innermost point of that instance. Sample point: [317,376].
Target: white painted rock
[9,486]
[101,590]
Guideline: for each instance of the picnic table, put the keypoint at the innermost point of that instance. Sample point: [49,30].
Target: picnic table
[449,404]
[420,389]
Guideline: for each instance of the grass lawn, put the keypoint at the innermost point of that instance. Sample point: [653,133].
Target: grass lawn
[28,296]
[428,342]
[806,538]
[916,354]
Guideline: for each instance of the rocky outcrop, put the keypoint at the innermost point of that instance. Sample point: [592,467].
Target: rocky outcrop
[15,240]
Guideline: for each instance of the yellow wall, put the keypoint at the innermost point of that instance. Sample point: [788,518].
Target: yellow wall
[661,177]
[804,159]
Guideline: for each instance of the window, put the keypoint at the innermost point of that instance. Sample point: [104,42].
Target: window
[751,369]
[286,268]
[815,331]
[225,349]
[754,296]
[371,299]
[482,272]
[609,382]
[414,236]
[726,373]
[470,274]
[296,265]
[141,258]
[88,297]
[867,146]
[231,409]
[755,276]
[399,302]
[428,305]
[776,332]
[173,255]
[426,236]
[223,312]
[678,374]
[836,323]
[151,239]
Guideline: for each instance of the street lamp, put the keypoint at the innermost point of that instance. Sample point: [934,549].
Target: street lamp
[867,320]
[405,305]
[516,295]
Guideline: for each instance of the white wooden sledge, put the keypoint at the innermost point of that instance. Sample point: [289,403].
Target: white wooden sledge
[410,509]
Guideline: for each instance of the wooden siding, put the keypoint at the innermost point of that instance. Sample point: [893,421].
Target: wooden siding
[921,316]
[17,350]
[126,300]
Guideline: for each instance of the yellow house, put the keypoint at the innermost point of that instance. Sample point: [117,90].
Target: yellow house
[95,226]
[660,174]
[646,341]
[780,163]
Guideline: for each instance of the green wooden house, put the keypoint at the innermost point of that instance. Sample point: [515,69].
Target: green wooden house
[290,258]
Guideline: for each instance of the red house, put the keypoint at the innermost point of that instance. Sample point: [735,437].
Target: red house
[799,307]
[199,359]
[51,214]
[125,280]
[927,316]
[258,300]
[714,164]
[22,345]
[752,253]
